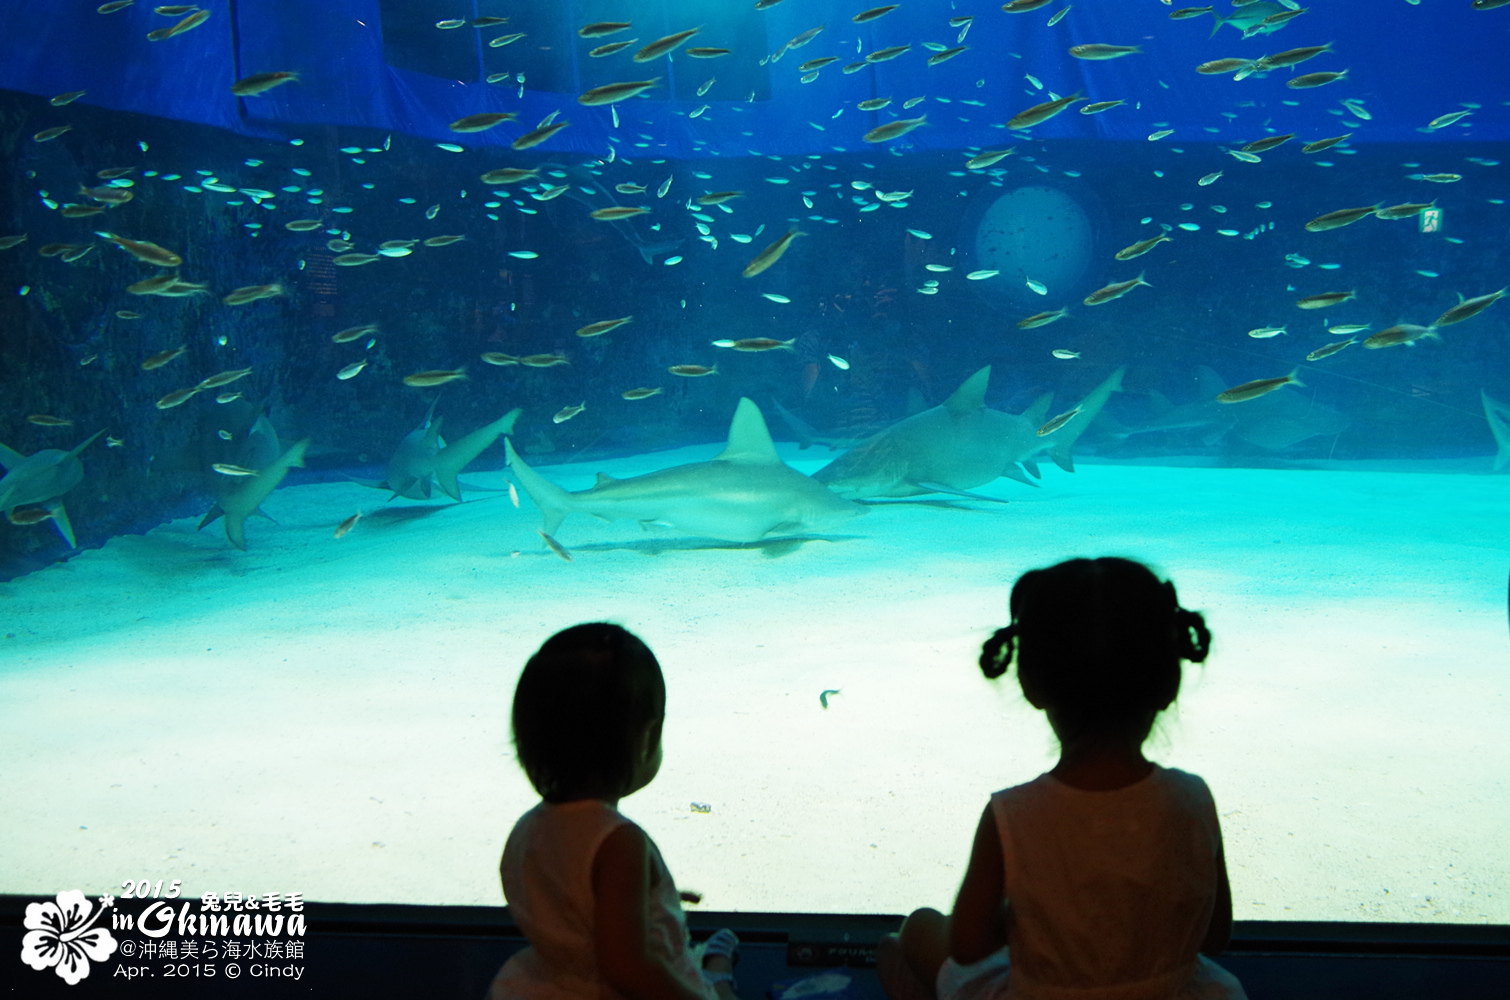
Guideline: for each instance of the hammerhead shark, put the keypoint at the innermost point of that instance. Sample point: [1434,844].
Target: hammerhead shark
[743,495]
[961,444]
[424,455]
[246,499]
[43,478]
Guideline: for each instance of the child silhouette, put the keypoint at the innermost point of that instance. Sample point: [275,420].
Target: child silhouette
[1104,878]
[587,886]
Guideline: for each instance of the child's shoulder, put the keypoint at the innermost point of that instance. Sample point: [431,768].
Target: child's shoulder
[1161,782]
[576,814]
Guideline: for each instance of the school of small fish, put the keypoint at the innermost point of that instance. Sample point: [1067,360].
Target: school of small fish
[324,230]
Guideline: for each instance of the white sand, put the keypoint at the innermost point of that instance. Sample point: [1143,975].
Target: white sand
[331,716]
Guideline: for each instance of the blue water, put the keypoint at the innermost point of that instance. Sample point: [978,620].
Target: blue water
[876,333]
[1313,523]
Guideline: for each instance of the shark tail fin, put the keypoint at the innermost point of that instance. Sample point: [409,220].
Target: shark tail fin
[1498,415]
[456,455]
[1063,451]
[554,502]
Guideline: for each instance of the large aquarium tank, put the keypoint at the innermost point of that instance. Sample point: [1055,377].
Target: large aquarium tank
[787,334]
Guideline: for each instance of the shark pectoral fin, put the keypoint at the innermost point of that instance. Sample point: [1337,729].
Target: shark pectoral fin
[1032,468]
[970,396]
[603,480]
[262,513]
[1214,435]
[61,522]
[424,487]
[210,516]
[1013,472]
[1062,457]
[9,457]
[804,432]
[941,488]
[374,484]
[235,532]
[482,489]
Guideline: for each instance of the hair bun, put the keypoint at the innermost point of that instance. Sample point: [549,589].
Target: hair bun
[996,653]
[1195,638]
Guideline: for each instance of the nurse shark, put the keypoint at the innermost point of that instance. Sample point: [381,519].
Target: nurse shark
[961,444]
[743,495]
[42,479]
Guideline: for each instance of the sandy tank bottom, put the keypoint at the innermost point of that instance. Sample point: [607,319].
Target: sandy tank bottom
[331,716]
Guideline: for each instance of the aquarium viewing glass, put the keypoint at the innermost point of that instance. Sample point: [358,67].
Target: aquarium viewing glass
[1211,288]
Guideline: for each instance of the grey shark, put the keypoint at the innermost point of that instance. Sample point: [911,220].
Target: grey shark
[423,455]
[961,444]
[1498,415]
[744,494]
[1249,19]
[246,499]
[43,478]
[583,187]
[1274,422]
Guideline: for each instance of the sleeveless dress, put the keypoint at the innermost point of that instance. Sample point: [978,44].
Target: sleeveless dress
[1112,894]
[547,881]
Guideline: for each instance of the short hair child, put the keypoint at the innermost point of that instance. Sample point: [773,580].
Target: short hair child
[586,885]
[581,707]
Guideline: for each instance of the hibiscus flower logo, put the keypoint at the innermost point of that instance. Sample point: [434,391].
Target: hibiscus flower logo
[62,935]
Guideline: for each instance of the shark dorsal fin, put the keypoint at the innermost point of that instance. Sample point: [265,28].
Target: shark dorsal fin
[749,438]
[1036,413]
[9,457]
[1208,384]
[604,479]
[970,396]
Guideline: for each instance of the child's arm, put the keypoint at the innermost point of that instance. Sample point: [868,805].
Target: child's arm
[982,916]
[621,899]
[1219,933]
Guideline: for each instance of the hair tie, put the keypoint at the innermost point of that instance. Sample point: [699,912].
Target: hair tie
[996,654]
[1195,638]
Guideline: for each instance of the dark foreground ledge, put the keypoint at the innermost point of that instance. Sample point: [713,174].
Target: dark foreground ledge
[442,952]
